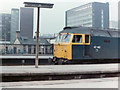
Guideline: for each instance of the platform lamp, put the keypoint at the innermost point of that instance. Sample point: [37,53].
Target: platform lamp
[38,5]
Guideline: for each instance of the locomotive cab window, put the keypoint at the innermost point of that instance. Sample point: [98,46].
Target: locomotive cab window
[66,38]
[77,39]
[59,37]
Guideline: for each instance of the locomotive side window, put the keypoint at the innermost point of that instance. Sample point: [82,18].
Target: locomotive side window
[86,38]
[77,39]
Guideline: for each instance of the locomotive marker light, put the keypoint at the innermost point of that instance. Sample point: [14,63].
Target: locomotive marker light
[38,5]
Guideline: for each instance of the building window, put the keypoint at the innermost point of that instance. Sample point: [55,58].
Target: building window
[29,49]
[34,49]
[24,49]
[102,19]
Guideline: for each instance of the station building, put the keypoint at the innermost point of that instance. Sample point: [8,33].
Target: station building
[93,14]
[24,45]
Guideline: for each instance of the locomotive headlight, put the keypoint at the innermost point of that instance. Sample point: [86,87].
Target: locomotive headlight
[56,49]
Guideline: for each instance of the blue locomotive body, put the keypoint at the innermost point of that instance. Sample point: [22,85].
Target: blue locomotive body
[100,48]
[94,44]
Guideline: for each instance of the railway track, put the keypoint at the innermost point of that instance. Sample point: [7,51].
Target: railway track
[13,62]
[57,76]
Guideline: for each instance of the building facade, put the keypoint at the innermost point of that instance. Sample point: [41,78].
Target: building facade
[24,46]
[19,48]
[5,27]
[14,23]
[93,14]
[26,22]
[0,27]
[119,14]
[113,24]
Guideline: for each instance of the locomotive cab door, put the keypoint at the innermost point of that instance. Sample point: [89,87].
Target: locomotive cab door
[86,48]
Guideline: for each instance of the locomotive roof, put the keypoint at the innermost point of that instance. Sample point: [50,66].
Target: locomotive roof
[92,31]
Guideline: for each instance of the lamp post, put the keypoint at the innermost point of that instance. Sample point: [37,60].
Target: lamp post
[38,5]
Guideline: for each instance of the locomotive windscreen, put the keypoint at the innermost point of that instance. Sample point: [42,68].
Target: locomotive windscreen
[63,38]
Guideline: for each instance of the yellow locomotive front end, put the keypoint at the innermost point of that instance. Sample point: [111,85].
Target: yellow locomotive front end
[62,46]
[70,46]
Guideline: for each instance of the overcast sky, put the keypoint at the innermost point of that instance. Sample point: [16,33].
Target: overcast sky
[53,20]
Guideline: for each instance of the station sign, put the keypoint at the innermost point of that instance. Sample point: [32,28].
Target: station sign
[41,5]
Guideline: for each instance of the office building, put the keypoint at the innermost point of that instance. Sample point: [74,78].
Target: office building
[119,14]
[14,23]
[93,14]
[26,22]
[5,27]
[113,24]
[0,27]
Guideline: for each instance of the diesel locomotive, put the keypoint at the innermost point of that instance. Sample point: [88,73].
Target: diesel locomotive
[76,44]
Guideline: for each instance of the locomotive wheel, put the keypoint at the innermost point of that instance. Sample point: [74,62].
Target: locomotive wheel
[60,62]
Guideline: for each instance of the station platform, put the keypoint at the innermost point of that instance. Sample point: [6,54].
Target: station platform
[25,56]
[8,60]
[58,72]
